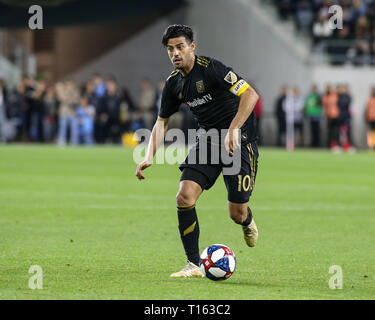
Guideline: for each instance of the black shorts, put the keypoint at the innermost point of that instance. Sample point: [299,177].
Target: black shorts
[239,186]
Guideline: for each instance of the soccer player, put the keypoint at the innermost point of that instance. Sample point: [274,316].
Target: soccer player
[219,99]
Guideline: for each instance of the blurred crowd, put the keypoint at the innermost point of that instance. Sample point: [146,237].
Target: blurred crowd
[353,43]
[99,111]
[331,108]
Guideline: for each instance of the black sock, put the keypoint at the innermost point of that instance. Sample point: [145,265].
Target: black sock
[189,232]
[249,217]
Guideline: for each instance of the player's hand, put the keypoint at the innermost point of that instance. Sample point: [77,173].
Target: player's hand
[231,141]
[142,166]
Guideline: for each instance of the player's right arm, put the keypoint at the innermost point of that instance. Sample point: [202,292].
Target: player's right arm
[157,137]
[169,105]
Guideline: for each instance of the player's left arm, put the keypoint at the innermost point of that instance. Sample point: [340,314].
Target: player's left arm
[248,100]
[227,79]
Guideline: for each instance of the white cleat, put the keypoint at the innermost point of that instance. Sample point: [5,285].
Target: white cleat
[190,270]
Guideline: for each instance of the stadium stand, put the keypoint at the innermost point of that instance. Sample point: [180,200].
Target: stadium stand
[353,44]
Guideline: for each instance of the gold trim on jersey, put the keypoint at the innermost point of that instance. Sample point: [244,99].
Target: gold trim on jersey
[252,165]
[173,73]
[203,61]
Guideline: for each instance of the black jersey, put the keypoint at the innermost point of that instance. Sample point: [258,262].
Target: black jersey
[211,91]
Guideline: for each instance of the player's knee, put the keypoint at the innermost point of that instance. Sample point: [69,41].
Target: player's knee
[184,199]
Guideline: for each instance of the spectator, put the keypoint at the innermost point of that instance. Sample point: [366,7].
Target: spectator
[160,88]
[99,85]
[89,91]
[29,89]
[37,111]
[258,111]
[85,118]
[340,48]
[8,125]
[358,17]
[362,27]
[50,117]
[370,118]
[313,110]
[16,109]
[321,29]
[359,8]
[281,117]
[304,16]
[176,121]
[147,104]
[126,110]
[344,101]
[293,107]
[69,98]
[348,13]
[109,114]
[2,111]
[331,111]
[362,55]
[3,92]
[324,8]
[285,8]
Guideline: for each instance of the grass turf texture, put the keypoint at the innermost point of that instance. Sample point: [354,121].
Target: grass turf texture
[98,233]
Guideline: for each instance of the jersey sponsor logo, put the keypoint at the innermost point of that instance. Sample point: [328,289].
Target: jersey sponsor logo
[199,101]
[200,86]
[239,87]
[231,77]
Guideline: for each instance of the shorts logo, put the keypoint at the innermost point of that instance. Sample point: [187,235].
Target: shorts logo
[200,86]
[231,77]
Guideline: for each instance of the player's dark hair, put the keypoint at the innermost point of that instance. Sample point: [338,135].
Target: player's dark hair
[175,31]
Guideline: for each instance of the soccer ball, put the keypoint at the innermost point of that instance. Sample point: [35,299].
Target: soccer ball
[218,262]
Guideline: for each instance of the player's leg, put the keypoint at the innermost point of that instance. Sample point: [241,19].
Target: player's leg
[188,226]
[239,189]
[195,178]
[238,212]
[241,214]
[192,184]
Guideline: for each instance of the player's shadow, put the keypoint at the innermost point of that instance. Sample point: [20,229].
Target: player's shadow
[248,283]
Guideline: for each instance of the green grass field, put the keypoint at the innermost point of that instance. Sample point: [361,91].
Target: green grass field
[98,233]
